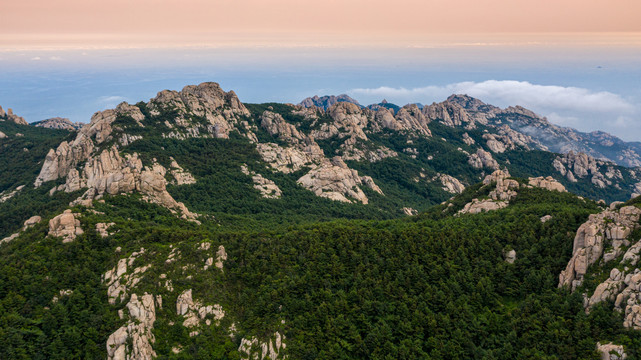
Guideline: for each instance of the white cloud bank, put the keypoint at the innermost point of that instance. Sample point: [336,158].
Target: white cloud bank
[581,108]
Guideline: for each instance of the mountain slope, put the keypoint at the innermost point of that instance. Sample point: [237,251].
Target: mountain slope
[196,226]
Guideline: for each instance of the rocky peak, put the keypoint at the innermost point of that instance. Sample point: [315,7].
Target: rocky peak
[10,116]
[449,113]
[58,123]
[325,102]
[467,102]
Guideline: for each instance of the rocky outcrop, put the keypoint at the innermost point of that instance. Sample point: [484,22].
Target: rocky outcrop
[220,109]
[10,116]
[2,135]
[120,281]
[468,140]
[608,229]
[450,114]
[268,189]
[548,183]
[221,256]
[450,183]
[335,181]
[8,194]
[510,256]
[290,159]
[327,101]
[482,159]
[610,351]
[109,173]
[66,226]
[194,312]
[254,349]
[101,229]
[59,123]
[499,197]
[58,163]
[180,175]
[134,340]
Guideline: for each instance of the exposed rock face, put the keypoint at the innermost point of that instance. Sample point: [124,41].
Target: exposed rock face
[252,348]
[609,228]
[409,211]
[10,116]
[289,159]
[120,281]
[194,312]
[8,194]
[268,189]
[221,256]
[579,165]
[59,123]
[449,113]
[335,181]
[2,135]
[142,315]
[499,197]
[610,351]
[548,183]
[510,256]
[451,184]
[101,229]
[325,102]
[9,238]
[68,156]
[221,109]
[32,221]
[546,218]
[181,176]
[65,226]
[468,140]
[482,159]
[109,173]
[410,117]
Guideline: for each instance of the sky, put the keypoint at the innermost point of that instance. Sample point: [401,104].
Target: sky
[576,62]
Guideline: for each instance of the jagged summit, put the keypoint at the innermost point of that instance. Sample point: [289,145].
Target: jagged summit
[10,116]
[325,102]
[58,123]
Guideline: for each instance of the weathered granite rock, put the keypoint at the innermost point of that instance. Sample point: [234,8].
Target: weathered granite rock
[409,211]
[8,194]
[32,221]
[66,226]
[181,176]
[451,184]
[207,100]
[194,312]
[548,183]
[101,229]
[252,348]
[58,123]
[499,197]
[120,281]
[482,159]
[9,238]
[268,189]
[608,228]
[468,140]
[2,135]
[335,181]
[221,256]
[510,256]
[138,331]
[546,218]
[10,116]
[610,351]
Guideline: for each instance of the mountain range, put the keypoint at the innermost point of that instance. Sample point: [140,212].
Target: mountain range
[198,226]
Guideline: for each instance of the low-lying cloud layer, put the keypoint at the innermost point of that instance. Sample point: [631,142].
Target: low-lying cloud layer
[580,108]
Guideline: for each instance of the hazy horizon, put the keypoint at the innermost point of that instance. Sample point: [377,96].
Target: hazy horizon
[577,63]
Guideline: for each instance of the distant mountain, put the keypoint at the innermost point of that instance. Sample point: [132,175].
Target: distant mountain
[598,144]
[58,123]
[324,102]
[384,104]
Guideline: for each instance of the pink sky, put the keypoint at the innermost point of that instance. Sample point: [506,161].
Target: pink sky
[330,22]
